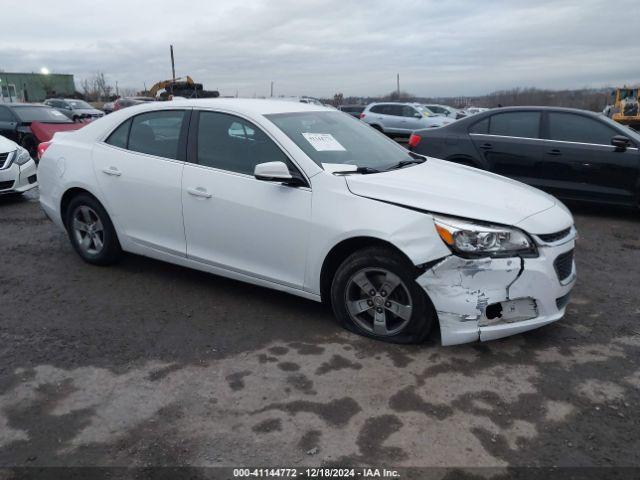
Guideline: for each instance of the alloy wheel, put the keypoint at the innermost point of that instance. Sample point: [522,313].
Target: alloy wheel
[378,301]
[88,230]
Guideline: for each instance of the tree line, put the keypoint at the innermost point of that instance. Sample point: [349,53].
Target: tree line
[594,99]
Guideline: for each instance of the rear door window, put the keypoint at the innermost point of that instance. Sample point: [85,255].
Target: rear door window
[516,124]
[157,133]
[569,127]
[395,110]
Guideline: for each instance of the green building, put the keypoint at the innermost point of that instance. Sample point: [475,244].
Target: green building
[34,87]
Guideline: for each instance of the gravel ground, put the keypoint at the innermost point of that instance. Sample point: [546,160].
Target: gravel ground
[147,363]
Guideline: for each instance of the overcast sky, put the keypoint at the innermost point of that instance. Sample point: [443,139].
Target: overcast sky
[320,47]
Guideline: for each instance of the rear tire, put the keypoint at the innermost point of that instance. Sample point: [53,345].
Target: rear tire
[91,232]
[374,293]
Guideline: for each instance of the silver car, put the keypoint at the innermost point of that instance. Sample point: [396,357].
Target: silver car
[74,109]
[445,110]
[400,119]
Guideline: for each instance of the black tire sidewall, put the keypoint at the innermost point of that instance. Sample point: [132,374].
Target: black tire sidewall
[111,251]
[423,315]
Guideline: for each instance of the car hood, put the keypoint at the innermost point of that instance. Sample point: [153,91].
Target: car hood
[447,188]
[7,145]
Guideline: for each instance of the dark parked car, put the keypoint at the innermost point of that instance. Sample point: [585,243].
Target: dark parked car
[124,102]
[29,124]
[573,154]
[354,110]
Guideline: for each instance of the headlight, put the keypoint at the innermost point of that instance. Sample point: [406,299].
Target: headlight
[470,239]
[20,157]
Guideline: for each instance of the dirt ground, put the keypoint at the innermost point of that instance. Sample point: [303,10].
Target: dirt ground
[147,363]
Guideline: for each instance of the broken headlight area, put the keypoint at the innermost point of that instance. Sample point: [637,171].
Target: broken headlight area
[471,239]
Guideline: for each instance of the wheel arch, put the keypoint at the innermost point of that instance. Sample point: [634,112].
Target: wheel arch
[70,194]
[341,251]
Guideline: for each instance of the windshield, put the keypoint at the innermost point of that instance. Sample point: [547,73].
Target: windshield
[78,104]
[334,137]
[40,114]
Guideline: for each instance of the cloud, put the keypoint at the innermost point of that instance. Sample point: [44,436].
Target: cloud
[319,47]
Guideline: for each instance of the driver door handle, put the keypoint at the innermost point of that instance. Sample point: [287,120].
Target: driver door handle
[198,192]
[113,171]
[486,146]
[554,152]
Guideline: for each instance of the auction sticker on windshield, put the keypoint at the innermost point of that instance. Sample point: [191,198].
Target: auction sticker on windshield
[323,142]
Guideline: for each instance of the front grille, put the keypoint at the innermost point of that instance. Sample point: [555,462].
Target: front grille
[564,265]
[6,185]
[562,301]
[3,158]
[554,237]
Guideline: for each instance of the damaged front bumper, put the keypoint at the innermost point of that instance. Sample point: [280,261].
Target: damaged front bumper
[489,298]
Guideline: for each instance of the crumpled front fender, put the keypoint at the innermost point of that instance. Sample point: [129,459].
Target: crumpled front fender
[461,289]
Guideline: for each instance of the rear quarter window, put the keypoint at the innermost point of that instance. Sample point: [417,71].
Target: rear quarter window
[481,127]
[120,136]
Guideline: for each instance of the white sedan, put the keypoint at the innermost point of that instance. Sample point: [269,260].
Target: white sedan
[17,169]
[311,201]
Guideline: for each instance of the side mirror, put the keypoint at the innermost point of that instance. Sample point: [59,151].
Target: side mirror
[418,115]
[273,172]
[620,142]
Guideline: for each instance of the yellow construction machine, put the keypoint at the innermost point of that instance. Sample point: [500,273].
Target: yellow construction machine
[624,106]
[180,87]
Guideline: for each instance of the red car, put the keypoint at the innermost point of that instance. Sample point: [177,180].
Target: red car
[29,124]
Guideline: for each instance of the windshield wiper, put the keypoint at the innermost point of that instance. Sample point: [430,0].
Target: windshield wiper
[362,170]
[404,163]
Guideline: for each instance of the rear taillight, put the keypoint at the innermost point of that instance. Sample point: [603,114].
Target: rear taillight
[361,116]
[414,140]
[42,147]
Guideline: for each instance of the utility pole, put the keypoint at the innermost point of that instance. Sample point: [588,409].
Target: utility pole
[272,88]
[173,65]
[117,94]
[398,85]
[173,69]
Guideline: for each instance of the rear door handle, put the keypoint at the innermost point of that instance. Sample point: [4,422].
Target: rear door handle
[486,146]
[113,171]
[554,152]
[198,192]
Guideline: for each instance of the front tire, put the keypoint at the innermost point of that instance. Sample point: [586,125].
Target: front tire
[374,293]
[91,232]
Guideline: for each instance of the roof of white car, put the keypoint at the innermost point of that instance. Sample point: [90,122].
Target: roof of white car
[242,105]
